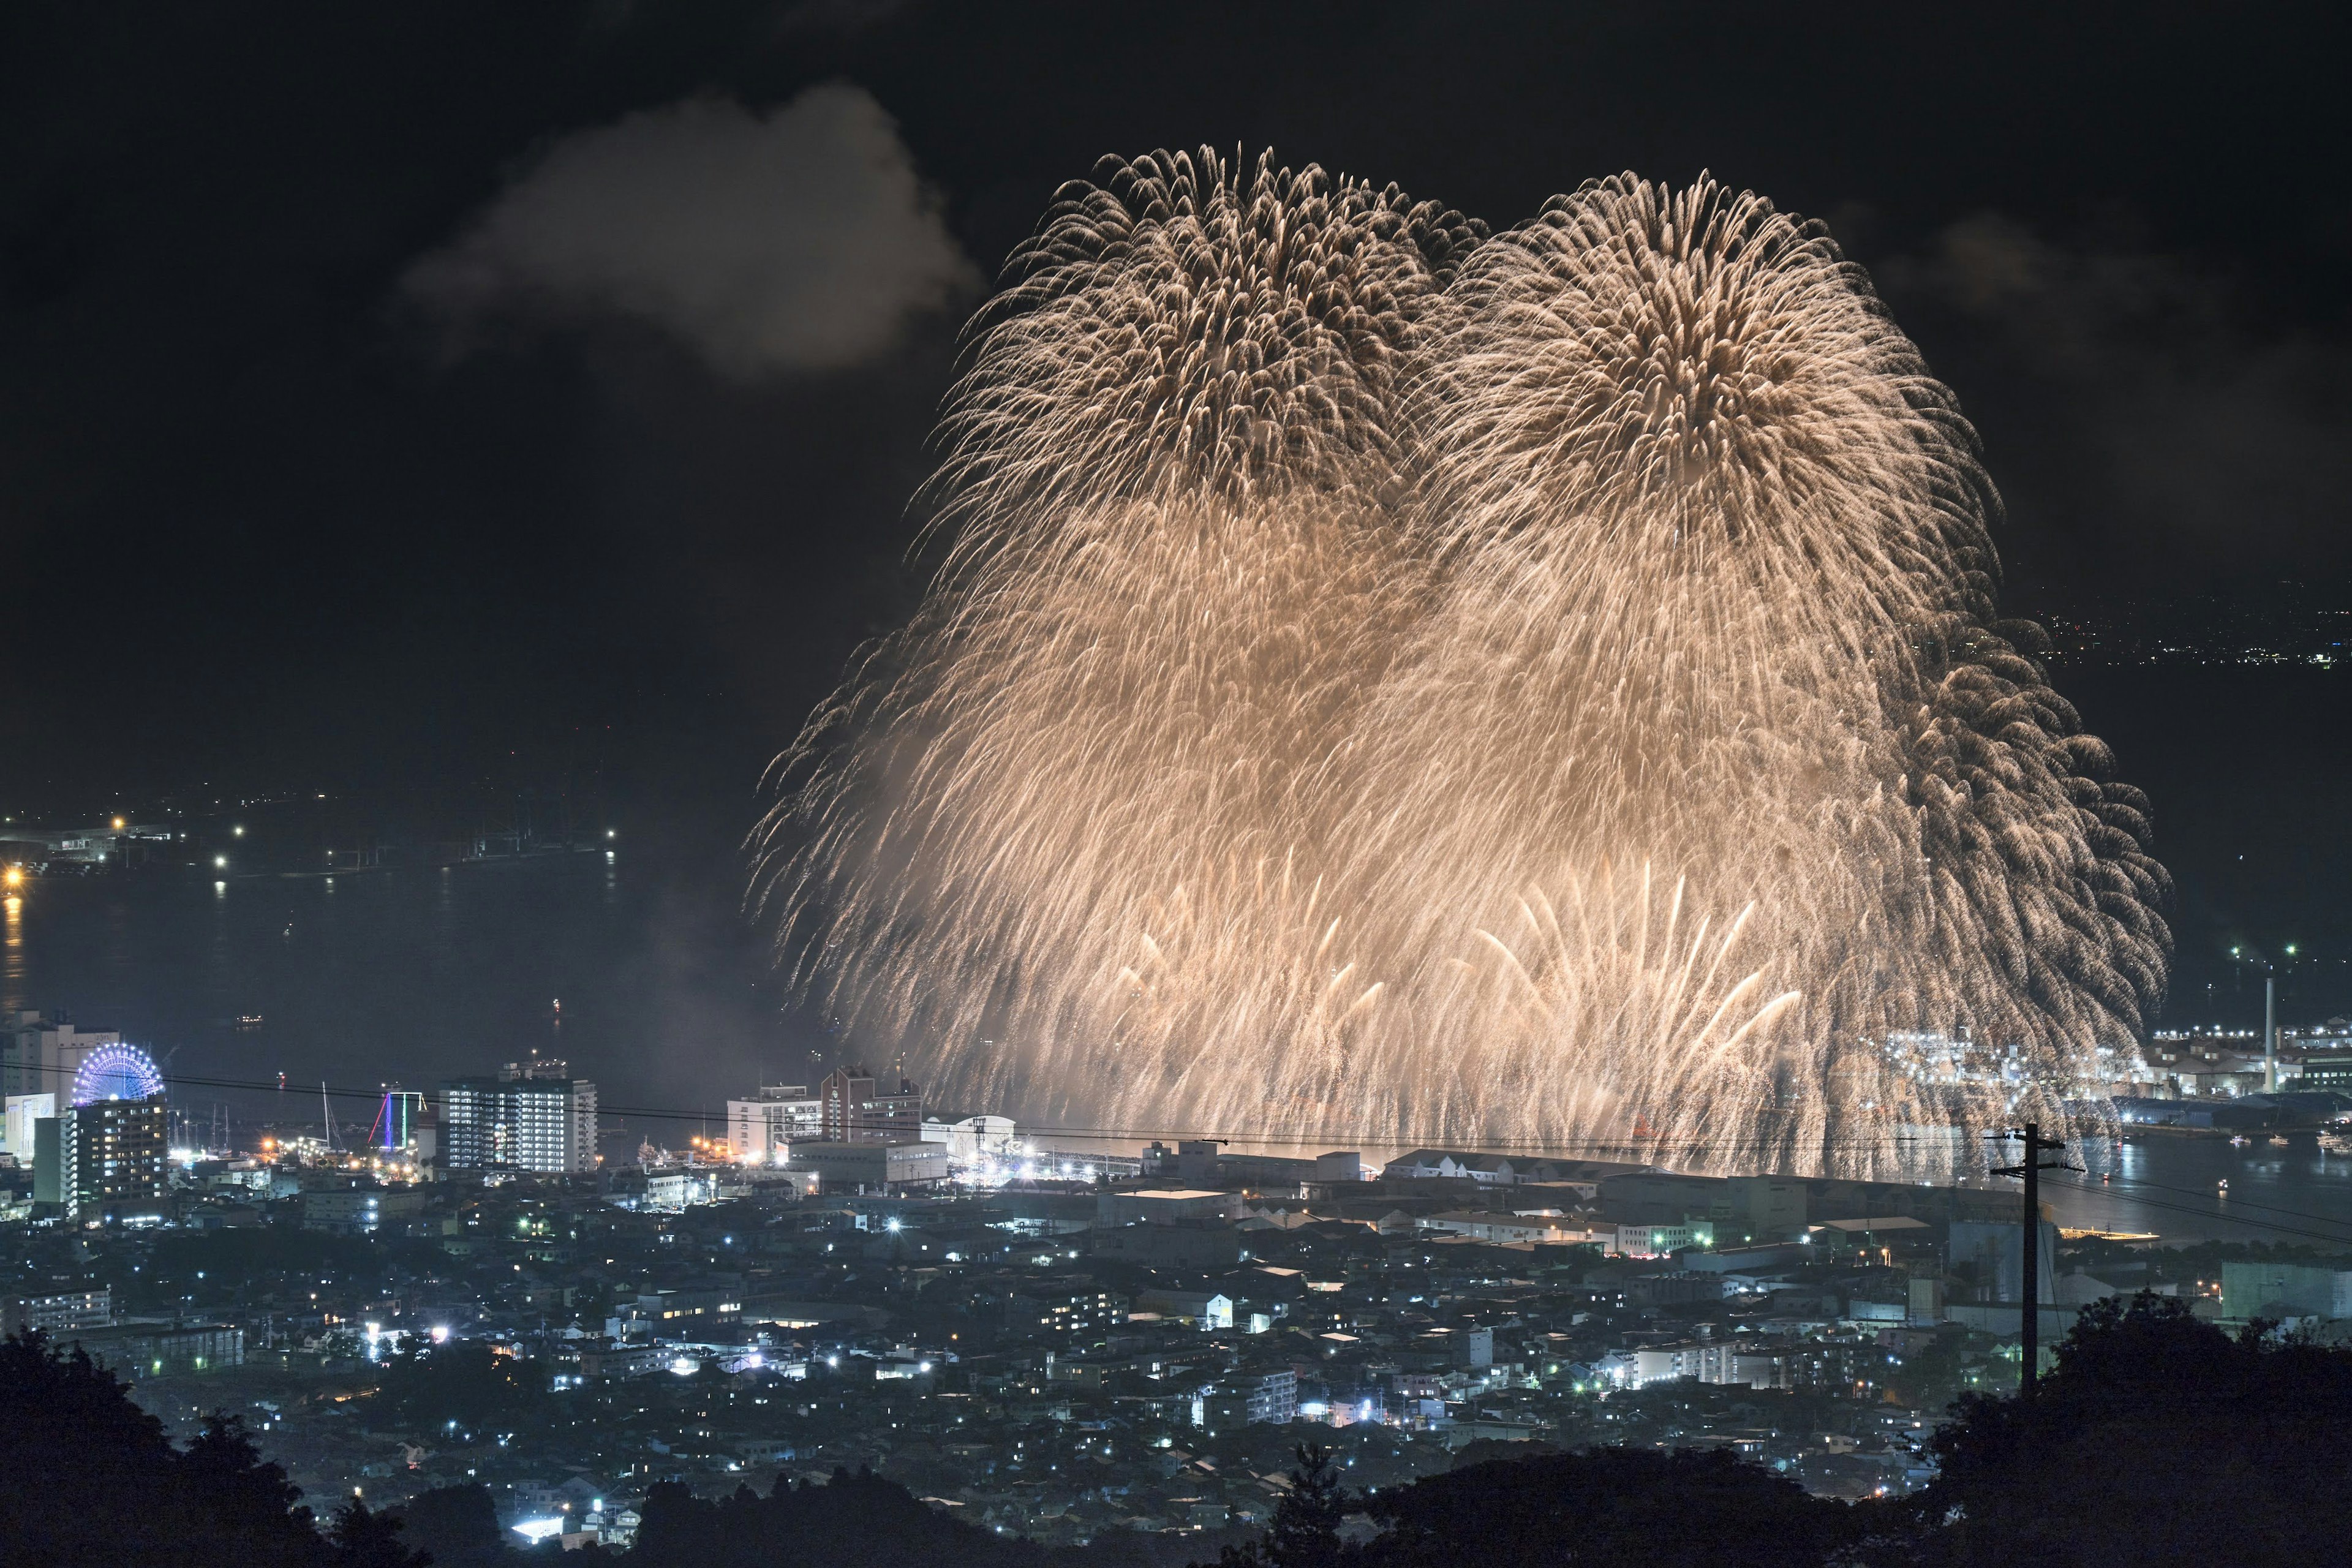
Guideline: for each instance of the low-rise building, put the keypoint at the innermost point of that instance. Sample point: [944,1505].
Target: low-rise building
[872,1166]
[1553,1229]
[1164,1205]
[357,1211]
[1207,1308]
[2285,1289]
[136,1351]
[58,1311]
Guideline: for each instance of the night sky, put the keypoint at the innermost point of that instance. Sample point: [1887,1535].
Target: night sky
[399,394]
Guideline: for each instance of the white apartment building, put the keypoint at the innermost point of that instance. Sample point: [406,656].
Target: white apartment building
[765,1129]
[546,1124]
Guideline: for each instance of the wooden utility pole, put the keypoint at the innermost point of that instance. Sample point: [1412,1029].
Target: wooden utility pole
[2029,1168]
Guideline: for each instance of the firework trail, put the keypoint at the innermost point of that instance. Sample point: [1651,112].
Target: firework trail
[1393,680]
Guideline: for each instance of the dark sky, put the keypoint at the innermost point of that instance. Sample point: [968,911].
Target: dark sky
[397,394]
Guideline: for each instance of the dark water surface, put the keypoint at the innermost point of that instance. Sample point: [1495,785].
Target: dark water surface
[410,976]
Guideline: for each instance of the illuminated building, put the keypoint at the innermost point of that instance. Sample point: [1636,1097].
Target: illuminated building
[868,1165]
[110,1160]
[24,1110]
[59,1311]
[2329,1070]
[546,1124]
[40,1053]
[766,1128]
[854,1108]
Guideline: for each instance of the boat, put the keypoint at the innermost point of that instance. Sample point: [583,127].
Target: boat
[2278,1140]
[2335,1142]
[2239,1139]
[2224,1188]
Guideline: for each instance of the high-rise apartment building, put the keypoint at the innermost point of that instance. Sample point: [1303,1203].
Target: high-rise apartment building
[767,1128]
[852,1107]
[518,1124]
[111,1160]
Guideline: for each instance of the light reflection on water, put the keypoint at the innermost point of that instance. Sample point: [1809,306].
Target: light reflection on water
[2169,1184]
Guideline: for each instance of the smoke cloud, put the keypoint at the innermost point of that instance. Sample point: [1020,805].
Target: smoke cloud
[798,240]
[2147,395]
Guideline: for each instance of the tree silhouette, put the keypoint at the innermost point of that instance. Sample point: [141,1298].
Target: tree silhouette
[86,1476]
[1611,1508]
[367,1540]
[851,1521]
[456,1526]
[1304,1529]
[2157,1436]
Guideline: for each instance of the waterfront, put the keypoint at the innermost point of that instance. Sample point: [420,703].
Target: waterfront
[424,974]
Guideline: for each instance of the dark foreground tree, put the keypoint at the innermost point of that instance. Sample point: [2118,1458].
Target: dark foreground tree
[458,1527]
[1611,1508]
[851,1521]
[88,1478]
[1304,1529]
[2158,1438]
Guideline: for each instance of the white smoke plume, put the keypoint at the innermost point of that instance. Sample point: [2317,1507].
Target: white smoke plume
[798,240]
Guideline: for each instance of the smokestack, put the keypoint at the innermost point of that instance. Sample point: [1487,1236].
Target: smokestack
[2270,1034]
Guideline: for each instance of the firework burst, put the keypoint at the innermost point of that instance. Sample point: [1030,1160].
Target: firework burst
[1393,682]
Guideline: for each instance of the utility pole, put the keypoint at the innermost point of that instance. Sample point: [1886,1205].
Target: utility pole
[2029,1168]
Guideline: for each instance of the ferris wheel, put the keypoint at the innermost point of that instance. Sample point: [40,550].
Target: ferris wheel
[117,1072]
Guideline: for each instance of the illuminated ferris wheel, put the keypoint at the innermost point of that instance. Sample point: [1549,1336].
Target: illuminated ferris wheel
[117,1072]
